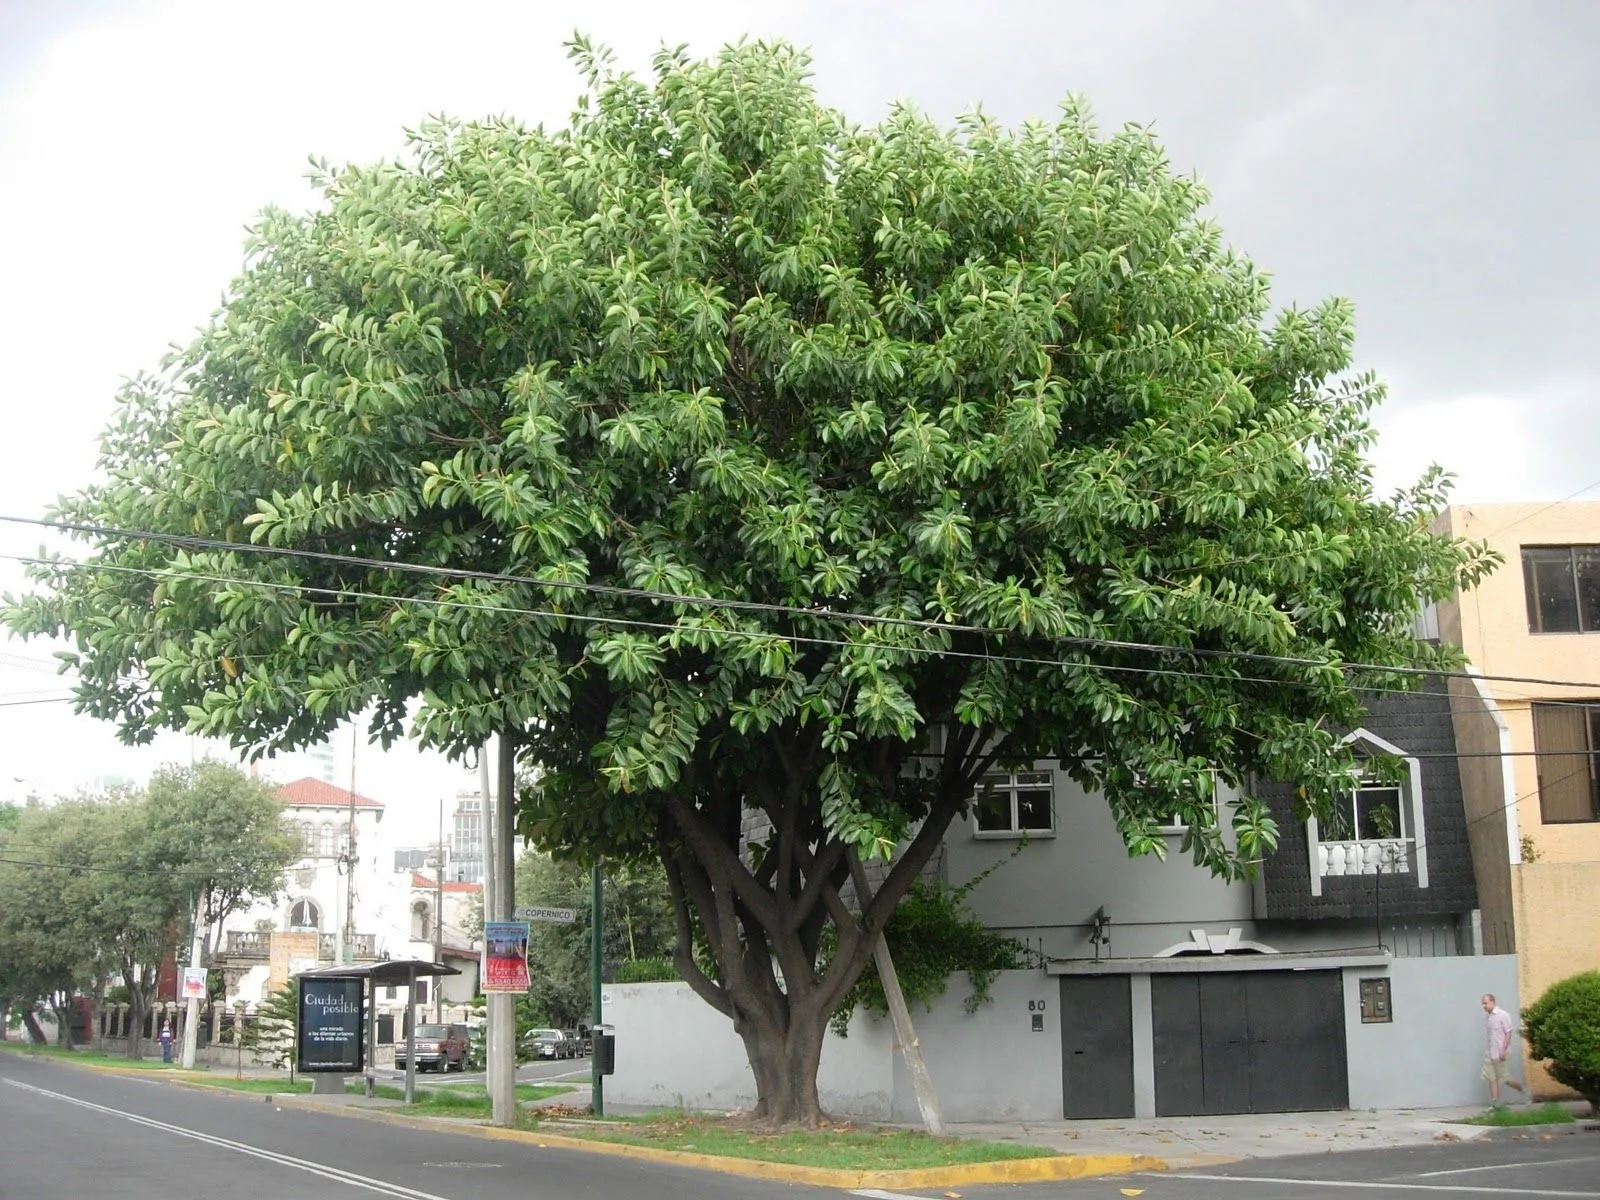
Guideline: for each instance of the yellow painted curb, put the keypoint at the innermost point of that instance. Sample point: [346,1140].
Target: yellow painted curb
[1012,1170]
[1043,1169]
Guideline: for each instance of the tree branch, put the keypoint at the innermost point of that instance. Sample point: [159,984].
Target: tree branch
[714,852]
[683,952]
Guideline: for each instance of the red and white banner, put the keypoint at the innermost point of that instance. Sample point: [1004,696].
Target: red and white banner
[193,984]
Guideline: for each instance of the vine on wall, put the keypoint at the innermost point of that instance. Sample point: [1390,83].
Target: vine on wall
[932,935]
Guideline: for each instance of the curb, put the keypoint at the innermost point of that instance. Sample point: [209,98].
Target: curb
[1043,1169]
[1565,1128]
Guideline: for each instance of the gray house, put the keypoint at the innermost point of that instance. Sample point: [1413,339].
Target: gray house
[1346,975]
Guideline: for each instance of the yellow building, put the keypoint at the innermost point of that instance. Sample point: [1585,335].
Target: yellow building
[1530,769]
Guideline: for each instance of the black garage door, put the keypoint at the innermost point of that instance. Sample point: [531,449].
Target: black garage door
[1248,1041]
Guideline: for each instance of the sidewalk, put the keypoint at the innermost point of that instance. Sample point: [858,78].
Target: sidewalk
[1199,1141]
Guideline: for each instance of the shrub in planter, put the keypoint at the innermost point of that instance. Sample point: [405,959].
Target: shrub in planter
[1563,1027]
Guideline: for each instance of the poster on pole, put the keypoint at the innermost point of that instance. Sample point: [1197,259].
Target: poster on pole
[329,1032]
[505,956]
[193,984]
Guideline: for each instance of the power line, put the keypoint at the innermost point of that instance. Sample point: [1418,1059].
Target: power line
[195,542]
[663,626]
[1588,487]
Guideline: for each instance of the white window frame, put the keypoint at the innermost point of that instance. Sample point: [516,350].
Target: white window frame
[1010,783]
[1410,798]
[1176,826]
[315,910]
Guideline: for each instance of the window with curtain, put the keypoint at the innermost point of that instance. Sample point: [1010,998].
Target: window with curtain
[1567,738]
[328,846]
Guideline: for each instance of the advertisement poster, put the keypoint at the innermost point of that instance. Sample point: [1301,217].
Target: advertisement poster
[192,986]
[330,1034]
[505,956]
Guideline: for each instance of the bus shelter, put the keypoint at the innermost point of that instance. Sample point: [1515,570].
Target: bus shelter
[393,973]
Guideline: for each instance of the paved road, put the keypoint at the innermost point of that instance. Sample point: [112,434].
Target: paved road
[1566,1165]
[567,1070]
[71,1134]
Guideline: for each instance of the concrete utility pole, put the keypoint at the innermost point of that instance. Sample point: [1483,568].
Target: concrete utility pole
[349,949]
[597,910]
[191,1017]
[491,1035]
[438,916]
[502,1005]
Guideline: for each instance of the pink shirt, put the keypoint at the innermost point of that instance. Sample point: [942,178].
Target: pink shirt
[1499,1029]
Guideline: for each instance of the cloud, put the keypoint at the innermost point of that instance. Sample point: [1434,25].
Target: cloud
[1429,160]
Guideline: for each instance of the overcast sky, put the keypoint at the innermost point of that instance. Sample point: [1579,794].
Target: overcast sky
[1435,162]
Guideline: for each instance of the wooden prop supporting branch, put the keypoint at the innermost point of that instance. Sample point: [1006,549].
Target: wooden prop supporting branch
[905,1033]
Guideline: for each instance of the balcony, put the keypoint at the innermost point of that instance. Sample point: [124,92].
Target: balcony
[252,946]
[365,946]
[1391,856]
[248,945]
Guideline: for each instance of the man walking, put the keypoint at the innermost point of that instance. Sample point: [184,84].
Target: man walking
[1499,1028]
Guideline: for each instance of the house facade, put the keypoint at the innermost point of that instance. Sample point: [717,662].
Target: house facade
[1531,749]
[261,946]
[1345,975]
[398,911]
[1332,980]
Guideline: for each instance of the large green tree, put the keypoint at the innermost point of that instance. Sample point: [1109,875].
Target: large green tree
[810,470]
[223,834]
[108,884]
[49,946]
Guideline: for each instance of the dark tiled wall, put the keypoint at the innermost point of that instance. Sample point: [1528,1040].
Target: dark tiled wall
[1418,723]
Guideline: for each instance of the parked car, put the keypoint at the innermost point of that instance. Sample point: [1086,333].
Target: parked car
[545,1043]
[440,1047]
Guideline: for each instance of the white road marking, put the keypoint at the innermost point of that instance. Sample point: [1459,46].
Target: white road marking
[337,1174]
[876,1194]
[1518,1166]
[1394,1187]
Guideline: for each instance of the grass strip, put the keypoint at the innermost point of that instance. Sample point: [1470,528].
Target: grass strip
[88,1056]
[1510,1118]
[847,1148]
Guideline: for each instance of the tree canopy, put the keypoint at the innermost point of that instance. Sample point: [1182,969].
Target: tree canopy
[767,479]
[107,885]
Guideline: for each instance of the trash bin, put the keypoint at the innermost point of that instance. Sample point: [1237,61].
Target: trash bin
[605,1053]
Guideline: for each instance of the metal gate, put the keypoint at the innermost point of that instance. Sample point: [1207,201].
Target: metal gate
[1096,1046]
[1249,1041]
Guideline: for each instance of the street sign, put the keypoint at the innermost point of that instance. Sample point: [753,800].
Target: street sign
[550,916]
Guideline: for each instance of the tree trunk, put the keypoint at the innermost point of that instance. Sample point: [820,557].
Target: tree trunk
[136,1013]
[761,914]
[61,1007]
[35,1030]
[785,1068]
